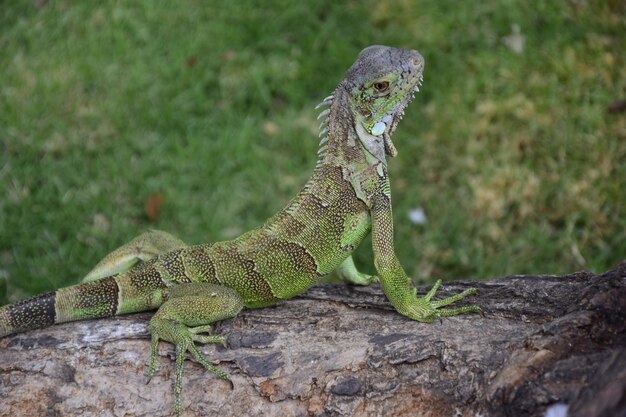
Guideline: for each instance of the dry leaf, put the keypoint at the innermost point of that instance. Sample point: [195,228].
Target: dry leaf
[152,206]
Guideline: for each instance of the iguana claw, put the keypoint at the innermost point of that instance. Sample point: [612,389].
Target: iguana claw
[184,339]
[425,310]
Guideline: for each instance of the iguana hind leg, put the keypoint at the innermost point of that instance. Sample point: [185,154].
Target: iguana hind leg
[142,248]
[181,320]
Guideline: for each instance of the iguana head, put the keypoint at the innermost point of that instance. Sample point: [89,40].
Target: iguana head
[380,84]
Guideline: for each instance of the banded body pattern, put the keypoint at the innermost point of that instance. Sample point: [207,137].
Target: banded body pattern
[289,253]
[137,290]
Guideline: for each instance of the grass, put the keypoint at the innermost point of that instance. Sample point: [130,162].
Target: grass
[509,149]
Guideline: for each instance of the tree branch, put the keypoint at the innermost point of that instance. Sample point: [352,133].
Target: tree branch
[344,351]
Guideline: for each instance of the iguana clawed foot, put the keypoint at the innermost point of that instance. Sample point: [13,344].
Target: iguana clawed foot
[425,310]
[184,319]
[184,339]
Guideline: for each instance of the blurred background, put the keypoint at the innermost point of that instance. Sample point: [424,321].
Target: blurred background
[196,117]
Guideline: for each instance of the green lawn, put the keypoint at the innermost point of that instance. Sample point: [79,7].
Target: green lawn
[510,149]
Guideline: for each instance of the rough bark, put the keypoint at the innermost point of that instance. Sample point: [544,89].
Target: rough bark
[343,351]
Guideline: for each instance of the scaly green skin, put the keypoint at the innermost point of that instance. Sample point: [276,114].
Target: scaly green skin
[347,197]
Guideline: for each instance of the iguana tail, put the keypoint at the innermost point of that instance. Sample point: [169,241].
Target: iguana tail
[106,297]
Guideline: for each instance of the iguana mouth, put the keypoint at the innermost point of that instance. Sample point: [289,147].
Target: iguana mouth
[395,116]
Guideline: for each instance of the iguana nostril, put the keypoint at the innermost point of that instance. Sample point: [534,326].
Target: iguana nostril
[416,59]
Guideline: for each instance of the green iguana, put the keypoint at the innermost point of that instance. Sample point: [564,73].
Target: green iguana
[347,196]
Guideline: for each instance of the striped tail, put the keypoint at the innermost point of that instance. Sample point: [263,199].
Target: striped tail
[103,298]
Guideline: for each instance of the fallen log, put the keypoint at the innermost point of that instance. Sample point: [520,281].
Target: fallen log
[543,343]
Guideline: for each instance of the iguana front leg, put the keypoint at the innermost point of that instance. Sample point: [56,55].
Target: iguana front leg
[189,310]
[396,284]
[142,248]
[348,273]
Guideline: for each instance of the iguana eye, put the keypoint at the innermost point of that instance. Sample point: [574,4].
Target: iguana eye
[381,86]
